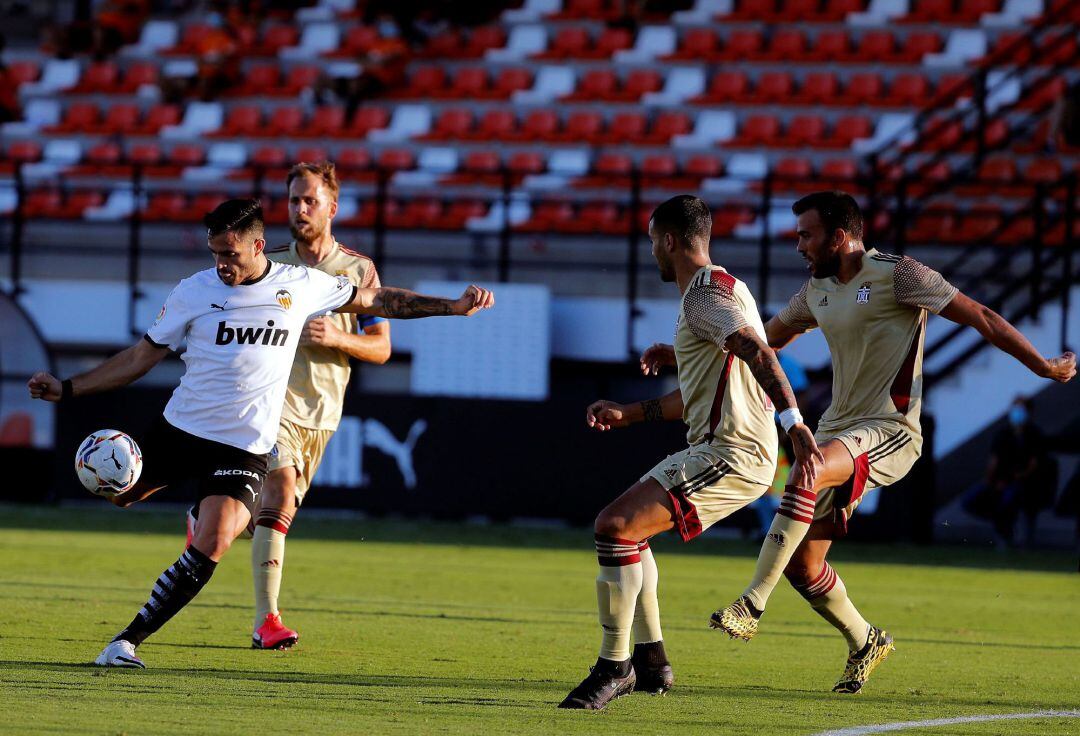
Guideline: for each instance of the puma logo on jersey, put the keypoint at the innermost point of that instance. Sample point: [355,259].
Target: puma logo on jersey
[251,335]
[219,306]
[824,301]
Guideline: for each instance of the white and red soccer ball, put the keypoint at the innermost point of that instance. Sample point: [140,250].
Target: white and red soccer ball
[108,462]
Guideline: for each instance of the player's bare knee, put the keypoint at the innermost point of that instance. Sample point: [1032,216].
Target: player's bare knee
[279,492]
[611,523]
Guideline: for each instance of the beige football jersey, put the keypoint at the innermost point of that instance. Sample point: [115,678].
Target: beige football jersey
[875,326]
[722,402]
[320,375]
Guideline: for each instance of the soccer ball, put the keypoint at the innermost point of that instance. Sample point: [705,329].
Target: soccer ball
[108,462]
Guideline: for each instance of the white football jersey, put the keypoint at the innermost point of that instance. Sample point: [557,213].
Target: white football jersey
[240,346]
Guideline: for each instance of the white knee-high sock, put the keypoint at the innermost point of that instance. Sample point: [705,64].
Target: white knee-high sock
[647,613]
[828,596]
[788,529]
[617,588]
[268,560]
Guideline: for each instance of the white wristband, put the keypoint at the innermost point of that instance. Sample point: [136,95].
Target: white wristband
[789,418]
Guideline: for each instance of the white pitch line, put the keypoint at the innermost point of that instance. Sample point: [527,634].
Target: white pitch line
[904,725]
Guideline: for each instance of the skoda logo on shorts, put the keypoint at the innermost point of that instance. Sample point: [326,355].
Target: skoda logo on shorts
[284,298]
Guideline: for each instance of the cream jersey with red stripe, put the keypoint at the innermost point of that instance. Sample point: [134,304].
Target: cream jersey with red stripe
[875,327]
[320,375]
[722,402]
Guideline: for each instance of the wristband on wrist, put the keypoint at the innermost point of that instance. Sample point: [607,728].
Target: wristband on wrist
[65,389]
[789,418]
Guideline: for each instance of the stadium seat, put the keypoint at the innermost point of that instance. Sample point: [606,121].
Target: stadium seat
[461,211]
[626,127]
[20,72]
[199,118]
[311,153]
[241,120]
[24,152]
[837,173]
[804,131]
[917,45]
[453,123]
[481,39]
[298,79]
[702,167]
[846,130]
[931,12]
[741,45]
[495,124]
[939,135]
[608,170]
[406,121]
[78,117]
[165,207]
[272,162]
[865,88]
[190,42]
[284,121]
[1043,171]
[547,217]
[700,45]
[610,42]
[183,155]
[525,41]
[786,45]
[259,79]
[874,46]
[830,46]
[551,83]
[327,121]
[725,87]
[274,39]
[100,77]
[478,167]
[120,119]
[470,82]
[582,126]
[971,12]
[963,46]
[710,128]
[596,85]
[772,88]
[101,159]
[57,75]
[794,174]
[145,154]
[538,125]
[836,11]
[652,42]
[637,83]
[507,82]
[353,164]
[137,75]
[571,42]
[42,203]
[316,39]
[1056,48]
[666,126]
[757,130]
[427,81]
[752,10]
[155,36]
[435,160]
[524,163]
[358,41]
[908,90]
[365,120]
[681,84]
[396,159]
[659,170]
[817,88]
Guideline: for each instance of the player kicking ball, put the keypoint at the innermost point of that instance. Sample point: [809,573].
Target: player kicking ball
[872,308]
[242,321]
[729,382]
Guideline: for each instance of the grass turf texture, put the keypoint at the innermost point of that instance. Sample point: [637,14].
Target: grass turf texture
[440,628]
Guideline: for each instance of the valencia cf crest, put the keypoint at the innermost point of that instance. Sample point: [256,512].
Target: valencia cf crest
[284,298]
[862,296]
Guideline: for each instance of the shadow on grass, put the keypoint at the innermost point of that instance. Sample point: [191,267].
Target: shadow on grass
[96,518]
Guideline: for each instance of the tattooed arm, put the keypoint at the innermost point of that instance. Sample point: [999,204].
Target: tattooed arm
[386,301]
[749,347]
[604,415]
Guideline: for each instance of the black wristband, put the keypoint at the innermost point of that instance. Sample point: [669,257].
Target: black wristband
[65,389]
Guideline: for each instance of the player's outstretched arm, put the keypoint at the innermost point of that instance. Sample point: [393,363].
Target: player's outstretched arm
[748,346]
[125,367]
[779,333]
[387,301]
[604,415]
[998,332]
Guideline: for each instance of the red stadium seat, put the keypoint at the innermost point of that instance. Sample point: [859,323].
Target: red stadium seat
[77,202]
[657,170]
[836,11]
[496,124]
[876,46]
[77,117]
[284,121]
[20,72]
[468,82]
[830,46]
[818,88]
[863,89]
[461,211]
[119,119]
[446,45]
[297,80]
[972,11]
[609,170]
[626,127]
[773,88]
[365,120]
[242,120]
[1057,48]
[1043,171]
[311,153]
[995,176]
[509,81]
[165,207]
[101,159]
[353,164]
[583,126]
[357,43]
[786,45]
[187,154]
[837,173]
[547,216]
[524,163]
[274,39]
[931,12]
[570,42]
[638,82]
[260,79]
[478,167]
[481,39]
[726,87]
[698,45]
[327,121]
[908,90]
[610,41]
[24,152]
[145,154]
[137,75]
[702,167]
[753,10]
[980,225]
[42,204]
[797,11]
[917,45]
[741,45]
[848,129]
[757,130]
[932,226]
[101,77]
[190,40]
[794,174]
[396,159]
[273,159]
[804,130]
[538,125]
[157,117]
[1064,11]
[427,81]
[452,124]
[596,85]
[665,126]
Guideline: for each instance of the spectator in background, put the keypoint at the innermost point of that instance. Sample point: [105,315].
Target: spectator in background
[1020,476]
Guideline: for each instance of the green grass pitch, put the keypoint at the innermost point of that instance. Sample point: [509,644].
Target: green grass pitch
[417,628]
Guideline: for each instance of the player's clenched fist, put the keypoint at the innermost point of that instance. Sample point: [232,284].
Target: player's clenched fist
[320,331]
[473,300]
[655,357]
[44,386]
[604,415]
[1062,369]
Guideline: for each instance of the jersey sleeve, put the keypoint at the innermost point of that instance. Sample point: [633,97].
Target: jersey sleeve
[712,313]
[370,280]
[171,325]
[916,285]
[797,313]
[326,293]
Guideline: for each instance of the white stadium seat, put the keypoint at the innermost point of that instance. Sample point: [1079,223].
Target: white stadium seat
[680,85]
[58,75]
[408,121]
[879,13]
[651,42]
[531,11]
[711,127]
[703,12]
[1015,13]
[552,82]
[156,35]
[199,118]
[524,41]
[316,39]
[962,46]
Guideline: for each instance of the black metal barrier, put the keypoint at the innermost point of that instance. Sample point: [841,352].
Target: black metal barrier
[458,459]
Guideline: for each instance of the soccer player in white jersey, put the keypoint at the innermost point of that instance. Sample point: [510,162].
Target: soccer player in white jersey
[241,321]
[872,308]
[728,407]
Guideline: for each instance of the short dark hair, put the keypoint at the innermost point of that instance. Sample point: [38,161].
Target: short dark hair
[836,209]
[684,216]
[240,216]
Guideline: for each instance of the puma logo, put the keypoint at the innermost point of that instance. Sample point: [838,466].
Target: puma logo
[252,491]
[378,436]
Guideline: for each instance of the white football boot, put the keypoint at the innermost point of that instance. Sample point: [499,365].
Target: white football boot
[119,653]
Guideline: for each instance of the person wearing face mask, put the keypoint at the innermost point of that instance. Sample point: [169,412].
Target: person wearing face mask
[1019,476]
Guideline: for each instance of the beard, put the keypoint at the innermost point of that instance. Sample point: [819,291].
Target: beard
[306,231]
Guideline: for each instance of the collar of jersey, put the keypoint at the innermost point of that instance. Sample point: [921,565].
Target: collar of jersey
[836,282]
[249,282]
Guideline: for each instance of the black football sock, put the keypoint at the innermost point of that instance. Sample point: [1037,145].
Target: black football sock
[176,587]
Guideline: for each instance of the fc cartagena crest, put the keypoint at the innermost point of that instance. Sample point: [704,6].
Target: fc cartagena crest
[862,296]
[284,298]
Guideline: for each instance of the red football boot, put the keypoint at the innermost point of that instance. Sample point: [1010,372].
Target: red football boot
[273,634]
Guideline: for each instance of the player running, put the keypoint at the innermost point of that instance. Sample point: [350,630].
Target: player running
[320,375]
[872,309]
[242,321]
[727,405]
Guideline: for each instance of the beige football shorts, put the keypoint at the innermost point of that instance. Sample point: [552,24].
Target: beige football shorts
[703,488]
[301,448]
[883,451]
